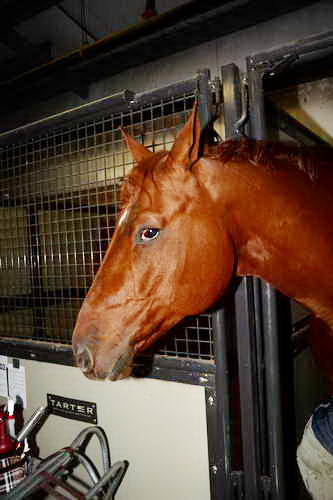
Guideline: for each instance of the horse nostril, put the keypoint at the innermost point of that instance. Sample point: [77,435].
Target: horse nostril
[84,359]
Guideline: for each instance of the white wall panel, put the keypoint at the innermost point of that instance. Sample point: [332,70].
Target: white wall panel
[159,427]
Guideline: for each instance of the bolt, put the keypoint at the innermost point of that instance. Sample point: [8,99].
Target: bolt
[211,400]
[214,469]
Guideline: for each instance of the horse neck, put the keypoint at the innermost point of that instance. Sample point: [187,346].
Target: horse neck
[240,201]
[259,208]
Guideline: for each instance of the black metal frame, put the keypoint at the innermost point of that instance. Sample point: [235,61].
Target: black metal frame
[262,309]
[262,322]
[242,316]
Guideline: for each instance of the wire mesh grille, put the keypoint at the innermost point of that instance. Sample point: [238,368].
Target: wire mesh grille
[58,204]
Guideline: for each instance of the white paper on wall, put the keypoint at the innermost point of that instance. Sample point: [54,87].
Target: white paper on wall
[17,384]
[3,376]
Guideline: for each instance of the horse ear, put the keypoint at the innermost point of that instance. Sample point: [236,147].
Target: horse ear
[139,151]
[185,150]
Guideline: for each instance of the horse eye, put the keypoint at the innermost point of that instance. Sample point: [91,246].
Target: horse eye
[148,234]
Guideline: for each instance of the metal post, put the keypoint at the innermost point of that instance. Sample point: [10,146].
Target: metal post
[246,324]
[249,397]
[222,464]
[220,469]
[232,98]
[256,101]
[270,314]
[36,274]
[224,480]
[273,389]
[205,97]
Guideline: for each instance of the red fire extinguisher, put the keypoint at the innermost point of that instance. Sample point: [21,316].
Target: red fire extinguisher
[7,444]
[12,457]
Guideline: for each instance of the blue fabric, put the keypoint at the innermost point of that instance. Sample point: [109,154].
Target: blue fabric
[322,425]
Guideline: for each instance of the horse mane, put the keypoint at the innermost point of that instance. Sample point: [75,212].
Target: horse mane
[273,154]
[269,154]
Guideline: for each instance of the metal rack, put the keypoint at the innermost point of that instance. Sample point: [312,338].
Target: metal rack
[55,474]
[58,203]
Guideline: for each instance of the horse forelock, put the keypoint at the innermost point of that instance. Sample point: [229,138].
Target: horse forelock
[271,154]
[131,186]
[135,180]
[157,174]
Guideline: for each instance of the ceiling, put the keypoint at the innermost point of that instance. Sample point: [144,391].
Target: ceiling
[49,46]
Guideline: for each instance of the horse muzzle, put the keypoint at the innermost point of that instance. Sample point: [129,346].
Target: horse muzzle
[108,362]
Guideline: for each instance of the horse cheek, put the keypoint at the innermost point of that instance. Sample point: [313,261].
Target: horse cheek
[208,271]
[219,269]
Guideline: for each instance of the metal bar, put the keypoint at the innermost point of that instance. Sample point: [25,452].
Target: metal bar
[205,98]
[92,109]
[218,423]
[222,465]
[211,418]
[300,47]
[270,315]
[232,98]
[249,400]
[222,322]
[310,59]
[84,17]
[273,385]
[261,381]
[280,120]
[247,329]
[36,274]
[187,371]
[50,352]
[256,100]
[114,103]
[237,479]
[259,131]
[151,97]
[192,372]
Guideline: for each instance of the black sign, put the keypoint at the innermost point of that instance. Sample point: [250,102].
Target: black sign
[72,408]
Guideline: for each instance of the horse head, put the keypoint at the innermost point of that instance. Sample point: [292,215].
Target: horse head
[168,258]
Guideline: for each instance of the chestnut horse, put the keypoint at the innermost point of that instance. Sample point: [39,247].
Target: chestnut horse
[189,223]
